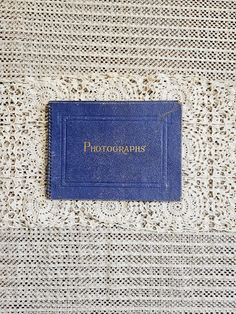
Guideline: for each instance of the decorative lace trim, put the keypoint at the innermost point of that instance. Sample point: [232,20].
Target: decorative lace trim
[208,154]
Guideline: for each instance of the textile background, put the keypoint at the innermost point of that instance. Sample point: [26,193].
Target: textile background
[118,257]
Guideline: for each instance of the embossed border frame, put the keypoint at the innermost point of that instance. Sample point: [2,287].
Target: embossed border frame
[170,187]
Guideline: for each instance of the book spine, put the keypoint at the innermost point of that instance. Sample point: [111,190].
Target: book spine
[49,150]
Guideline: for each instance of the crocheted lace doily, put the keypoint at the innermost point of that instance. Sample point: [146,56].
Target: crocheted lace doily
[208,154]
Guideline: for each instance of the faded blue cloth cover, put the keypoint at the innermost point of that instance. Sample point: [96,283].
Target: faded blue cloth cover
[107,150]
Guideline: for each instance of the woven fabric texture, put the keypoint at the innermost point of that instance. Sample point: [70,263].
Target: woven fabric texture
[117,272]
[65,37]
[116,257]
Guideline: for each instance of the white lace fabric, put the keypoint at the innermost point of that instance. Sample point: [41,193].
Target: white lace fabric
[208,167]
[110,270]
[118,257]
[70,37]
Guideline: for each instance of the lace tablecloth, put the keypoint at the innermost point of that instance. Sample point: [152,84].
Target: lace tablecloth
[110,270]
[118,257]
[70,37]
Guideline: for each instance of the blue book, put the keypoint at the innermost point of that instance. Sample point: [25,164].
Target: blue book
[115,150]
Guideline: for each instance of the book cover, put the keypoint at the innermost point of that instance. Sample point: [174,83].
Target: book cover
[115,150]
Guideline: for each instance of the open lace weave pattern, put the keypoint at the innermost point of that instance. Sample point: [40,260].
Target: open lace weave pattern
[65,37]
[118,271]
[208,154]
[115,271]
